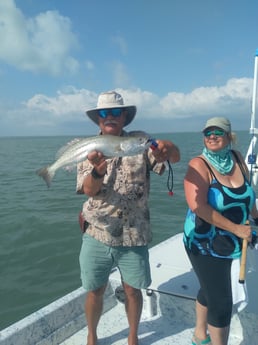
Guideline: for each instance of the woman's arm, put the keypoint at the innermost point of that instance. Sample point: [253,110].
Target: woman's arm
[196,185]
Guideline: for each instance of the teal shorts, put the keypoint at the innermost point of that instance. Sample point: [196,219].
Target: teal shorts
[97,260]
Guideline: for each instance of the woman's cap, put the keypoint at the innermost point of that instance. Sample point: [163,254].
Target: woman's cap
[220,122]
[109,100]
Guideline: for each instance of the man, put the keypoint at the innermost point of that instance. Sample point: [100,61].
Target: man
[117,215]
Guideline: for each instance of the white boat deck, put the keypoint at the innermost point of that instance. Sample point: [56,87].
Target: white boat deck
[168,310]
[170,326]
[169,313]
[167,327]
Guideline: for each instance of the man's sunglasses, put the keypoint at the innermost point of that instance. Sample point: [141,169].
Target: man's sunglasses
[216,132]
[115,112]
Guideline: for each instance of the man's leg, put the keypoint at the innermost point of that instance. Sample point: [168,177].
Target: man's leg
[133,307]
[93,310]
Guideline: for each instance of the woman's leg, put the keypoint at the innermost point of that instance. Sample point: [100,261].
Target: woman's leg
[219,335]
[215,293]
[201,321]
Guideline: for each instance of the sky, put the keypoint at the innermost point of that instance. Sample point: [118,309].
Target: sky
[179,61]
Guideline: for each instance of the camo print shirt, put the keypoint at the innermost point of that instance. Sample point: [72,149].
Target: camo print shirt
[119,214]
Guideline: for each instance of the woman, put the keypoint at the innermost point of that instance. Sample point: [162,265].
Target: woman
[220,199]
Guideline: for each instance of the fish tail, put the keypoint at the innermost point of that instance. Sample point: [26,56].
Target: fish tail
[47,174]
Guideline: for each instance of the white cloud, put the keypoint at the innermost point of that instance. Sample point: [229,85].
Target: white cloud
[184,111]
[235,96]
[146,101]
[66,102]
[39,44]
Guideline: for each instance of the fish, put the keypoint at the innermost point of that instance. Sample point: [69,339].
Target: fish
[109,145]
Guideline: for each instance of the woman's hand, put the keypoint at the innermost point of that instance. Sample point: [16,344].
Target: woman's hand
[243,231]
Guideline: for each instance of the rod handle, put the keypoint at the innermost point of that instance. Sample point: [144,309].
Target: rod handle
[243,260]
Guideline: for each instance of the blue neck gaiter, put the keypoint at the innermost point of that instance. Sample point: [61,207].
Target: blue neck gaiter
[221,160]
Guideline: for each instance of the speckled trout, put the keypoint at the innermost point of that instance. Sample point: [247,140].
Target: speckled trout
[110,146]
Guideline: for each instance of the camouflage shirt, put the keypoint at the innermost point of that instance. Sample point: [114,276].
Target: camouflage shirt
[119,214]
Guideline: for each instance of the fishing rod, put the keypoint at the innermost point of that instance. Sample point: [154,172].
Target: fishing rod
[241,279]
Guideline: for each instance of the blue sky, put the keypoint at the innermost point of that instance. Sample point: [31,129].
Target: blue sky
[179,61]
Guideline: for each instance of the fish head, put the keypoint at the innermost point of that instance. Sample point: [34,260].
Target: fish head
[136,143]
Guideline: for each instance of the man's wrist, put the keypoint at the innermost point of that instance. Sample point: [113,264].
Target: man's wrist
[96,175]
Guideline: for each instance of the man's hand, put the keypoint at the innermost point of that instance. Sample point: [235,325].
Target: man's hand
[166,150]
[98,161]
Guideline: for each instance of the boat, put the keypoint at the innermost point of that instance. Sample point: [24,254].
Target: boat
[168,315]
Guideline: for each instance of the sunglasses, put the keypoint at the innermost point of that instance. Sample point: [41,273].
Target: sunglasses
[216,132]
[115,112]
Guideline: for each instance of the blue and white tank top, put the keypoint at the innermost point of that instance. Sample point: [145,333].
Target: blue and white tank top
[234,204]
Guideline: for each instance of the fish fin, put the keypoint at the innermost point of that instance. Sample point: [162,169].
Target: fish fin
[69,168]
[138,133]
[46,174]
[61,151]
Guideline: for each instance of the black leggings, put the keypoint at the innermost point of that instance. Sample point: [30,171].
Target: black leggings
[214,275]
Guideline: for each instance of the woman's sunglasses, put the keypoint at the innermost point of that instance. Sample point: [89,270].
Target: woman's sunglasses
[115,112]
[216,132]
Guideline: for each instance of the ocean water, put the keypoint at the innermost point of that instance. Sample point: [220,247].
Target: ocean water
[40,237]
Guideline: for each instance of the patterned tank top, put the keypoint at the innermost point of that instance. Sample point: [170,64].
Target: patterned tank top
[234,204]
